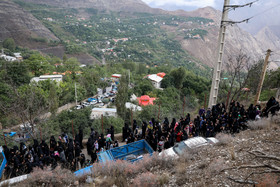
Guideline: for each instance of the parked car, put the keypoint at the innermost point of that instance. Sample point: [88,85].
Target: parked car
[111,94]
[93,102]
[85,104]
[91,99]
[11,134]
[186,145]
[78,107]
[26,126]
[106,95]
[99,98]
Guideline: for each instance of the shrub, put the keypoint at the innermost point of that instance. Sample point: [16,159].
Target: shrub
[145,179]
[259,124]
[48,177]
[224,139]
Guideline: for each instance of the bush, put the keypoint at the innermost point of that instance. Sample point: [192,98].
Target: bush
[48,177]
[145,179]
[224,139]
[260,124]
[118,172]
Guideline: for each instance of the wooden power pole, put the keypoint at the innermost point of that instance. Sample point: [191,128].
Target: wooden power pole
[257,97]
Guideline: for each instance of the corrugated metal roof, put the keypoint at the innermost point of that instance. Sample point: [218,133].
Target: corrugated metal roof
[155,78]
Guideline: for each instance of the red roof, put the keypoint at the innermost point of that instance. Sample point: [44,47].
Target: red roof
[146,100]
[162,74]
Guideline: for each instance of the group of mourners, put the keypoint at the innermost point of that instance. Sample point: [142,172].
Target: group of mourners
[68,153]
[63,151]
[207,124]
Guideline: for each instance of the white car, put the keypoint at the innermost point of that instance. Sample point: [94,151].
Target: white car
[93,102]
[86,104]
[106,95]
[78,107]
[188,144]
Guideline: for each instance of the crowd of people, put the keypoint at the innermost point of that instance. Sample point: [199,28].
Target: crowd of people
[207,124]
[68,152]
[63,151]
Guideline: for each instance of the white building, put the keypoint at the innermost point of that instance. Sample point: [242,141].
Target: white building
[8,58]
[132,106]
[57,78]
[97,112]
[156,80]
[18,56]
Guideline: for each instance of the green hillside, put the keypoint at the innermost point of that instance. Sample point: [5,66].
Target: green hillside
[119,36]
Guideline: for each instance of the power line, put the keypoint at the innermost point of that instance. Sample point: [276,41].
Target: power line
[262,12]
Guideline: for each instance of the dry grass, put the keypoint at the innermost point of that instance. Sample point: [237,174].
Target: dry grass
[145,179]
[48,177]
[260,124]
[120,172]
[224,139]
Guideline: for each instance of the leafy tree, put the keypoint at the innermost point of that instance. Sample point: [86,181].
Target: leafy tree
[37,64]
[53,98]
[272,79]
[15,73]
[254,76]
[122,96]
[28,103]
[9,43]
[143,87]
[72,65]
[178,76]
[117,123]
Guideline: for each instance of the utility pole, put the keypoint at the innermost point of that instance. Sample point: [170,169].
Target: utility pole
[102,127]
[128,77]
[221,43]
[76,93]
[262,77]
[218,68]
[184,106]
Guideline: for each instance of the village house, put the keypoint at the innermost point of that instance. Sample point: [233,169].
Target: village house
[156,79]
[57,78]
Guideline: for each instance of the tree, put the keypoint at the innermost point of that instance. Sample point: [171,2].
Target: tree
[37,64]
[237,68]
[53,98]
[9,43]
[143,87]
[72,65]
[28,103]
[254,76]
[15,73]
[122,96]
[178,76]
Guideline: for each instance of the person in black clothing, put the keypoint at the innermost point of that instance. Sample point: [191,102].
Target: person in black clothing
[93,156]
[112,132]
[81,137]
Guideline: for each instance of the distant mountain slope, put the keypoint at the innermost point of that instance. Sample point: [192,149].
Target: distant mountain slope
[21,25]
[202,48]
[111,5]
[269,38]
[237,40]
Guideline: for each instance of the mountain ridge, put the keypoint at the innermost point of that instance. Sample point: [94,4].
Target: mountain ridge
[203,49]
